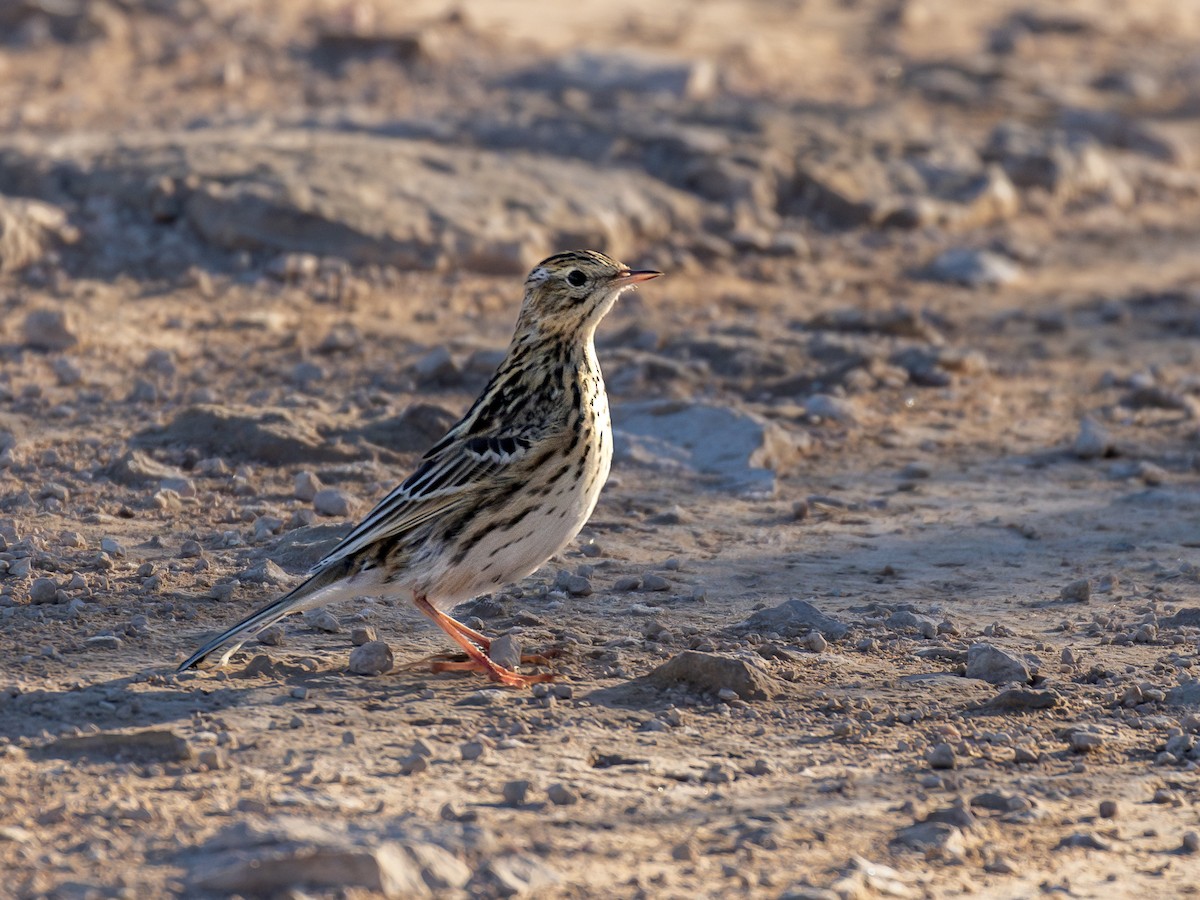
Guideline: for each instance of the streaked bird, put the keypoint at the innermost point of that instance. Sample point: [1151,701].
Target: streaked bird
[508,487]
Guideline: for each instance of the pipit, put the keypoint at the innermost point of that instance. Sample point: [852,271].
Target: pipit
[508,487]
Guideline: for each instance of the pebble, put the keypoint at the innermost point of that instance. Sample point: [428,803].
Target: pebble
[371,658]
[413,764]
[506,651]
[306,486]
[994,665]
[1093,441]
[362,634]
[332,502]
[652,582]
[837,409]
[190,550]
[49,330]
[814,641]
[514,792]
[941,756]
[974,268]
[1078,591]
[1164,797]
[1085,741]
[575,585]
[473,750]
[1108,809]
[266,572]
[1190,843]
[627,583]
[561,795]
[1025,755]
[323,620]
[43,590]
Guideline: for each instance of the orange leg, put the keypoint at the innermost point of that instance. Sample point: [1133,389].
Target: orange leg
[479,660]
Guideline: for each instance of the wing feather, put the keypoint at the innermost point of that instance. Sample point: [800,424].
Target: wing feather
[460,468]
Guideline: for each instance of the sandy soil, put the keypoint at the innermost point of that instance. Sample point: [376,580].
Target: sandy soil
[992,449]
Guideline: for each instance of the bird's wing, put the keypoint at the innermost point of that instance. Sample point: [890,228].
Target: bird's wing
[454,470]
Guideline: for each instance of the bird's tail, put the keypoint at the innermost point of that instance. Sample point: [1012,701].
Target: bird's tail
[312,592]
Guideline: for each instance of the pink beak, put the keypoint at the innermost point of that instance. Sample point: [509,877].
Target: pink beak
[628,278]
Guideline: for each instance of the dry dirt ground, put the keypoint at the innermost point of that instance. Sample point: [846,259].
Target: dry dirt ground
[933,296]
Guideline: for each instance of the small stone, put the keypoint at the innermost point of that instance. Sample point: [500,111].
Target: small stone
[323,620]
[627,583]
[1164,797]
[941,756]
[1108,809]
[266,572]
[1078,591]
[437,368]
[306,486]
[332,502]
[49,330]
[1084,839]
[837,409]
[814,641]
[362,634]
[561,795]
[575,585]
[190,550]
[974,268]
[652,582]
[43,590]
[371,658]
[726,695]
[995,666]
[1093,441]
[1190,843]
[563,691]
[1025,755]
[414,764]
[1085,741]
[506,651]
[473,750]
[514,792]
[684,852]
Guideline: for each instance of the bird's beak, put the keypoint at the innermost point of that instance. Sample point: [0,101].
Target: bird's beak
[628,278]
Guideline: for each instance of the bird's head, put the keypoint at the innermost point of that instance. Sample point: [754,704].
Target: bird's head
[570,292]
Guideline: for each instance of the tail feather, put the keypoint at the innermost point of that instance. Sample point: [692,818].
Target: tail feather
[304,596]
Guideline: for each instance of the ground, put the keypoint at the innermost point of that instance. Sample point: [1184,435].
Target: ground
[936,266]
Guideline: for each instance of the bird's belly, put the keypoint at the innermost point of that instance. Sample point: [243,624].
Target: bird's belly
[510,552]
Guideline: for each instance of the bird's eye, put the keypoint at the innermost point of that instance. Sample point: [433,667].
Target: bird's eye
[575,278]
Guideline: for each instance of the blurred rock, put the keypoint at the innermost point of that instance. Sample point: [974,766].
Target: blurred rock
[364,198]
[973,268]
[791,619]
[413,431]
[272,436]
[1068,166]
[29,230]
[711,673]
[48,330]
[623,70]
[739,450]
[995,666]
[1093,440]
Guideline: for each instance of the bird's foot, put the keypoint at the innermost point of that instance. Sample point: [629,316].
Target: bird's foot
[494,670]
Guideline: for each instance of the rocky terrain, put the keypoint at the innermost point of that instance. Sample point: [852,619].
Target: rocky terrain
[895,590]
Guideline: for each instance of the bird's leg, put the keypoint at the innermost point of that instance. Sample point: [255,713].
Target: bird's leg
[478,659]
[485,643]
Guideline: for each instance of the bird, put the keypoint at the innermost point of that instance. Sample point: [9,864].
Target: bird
[509,485]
